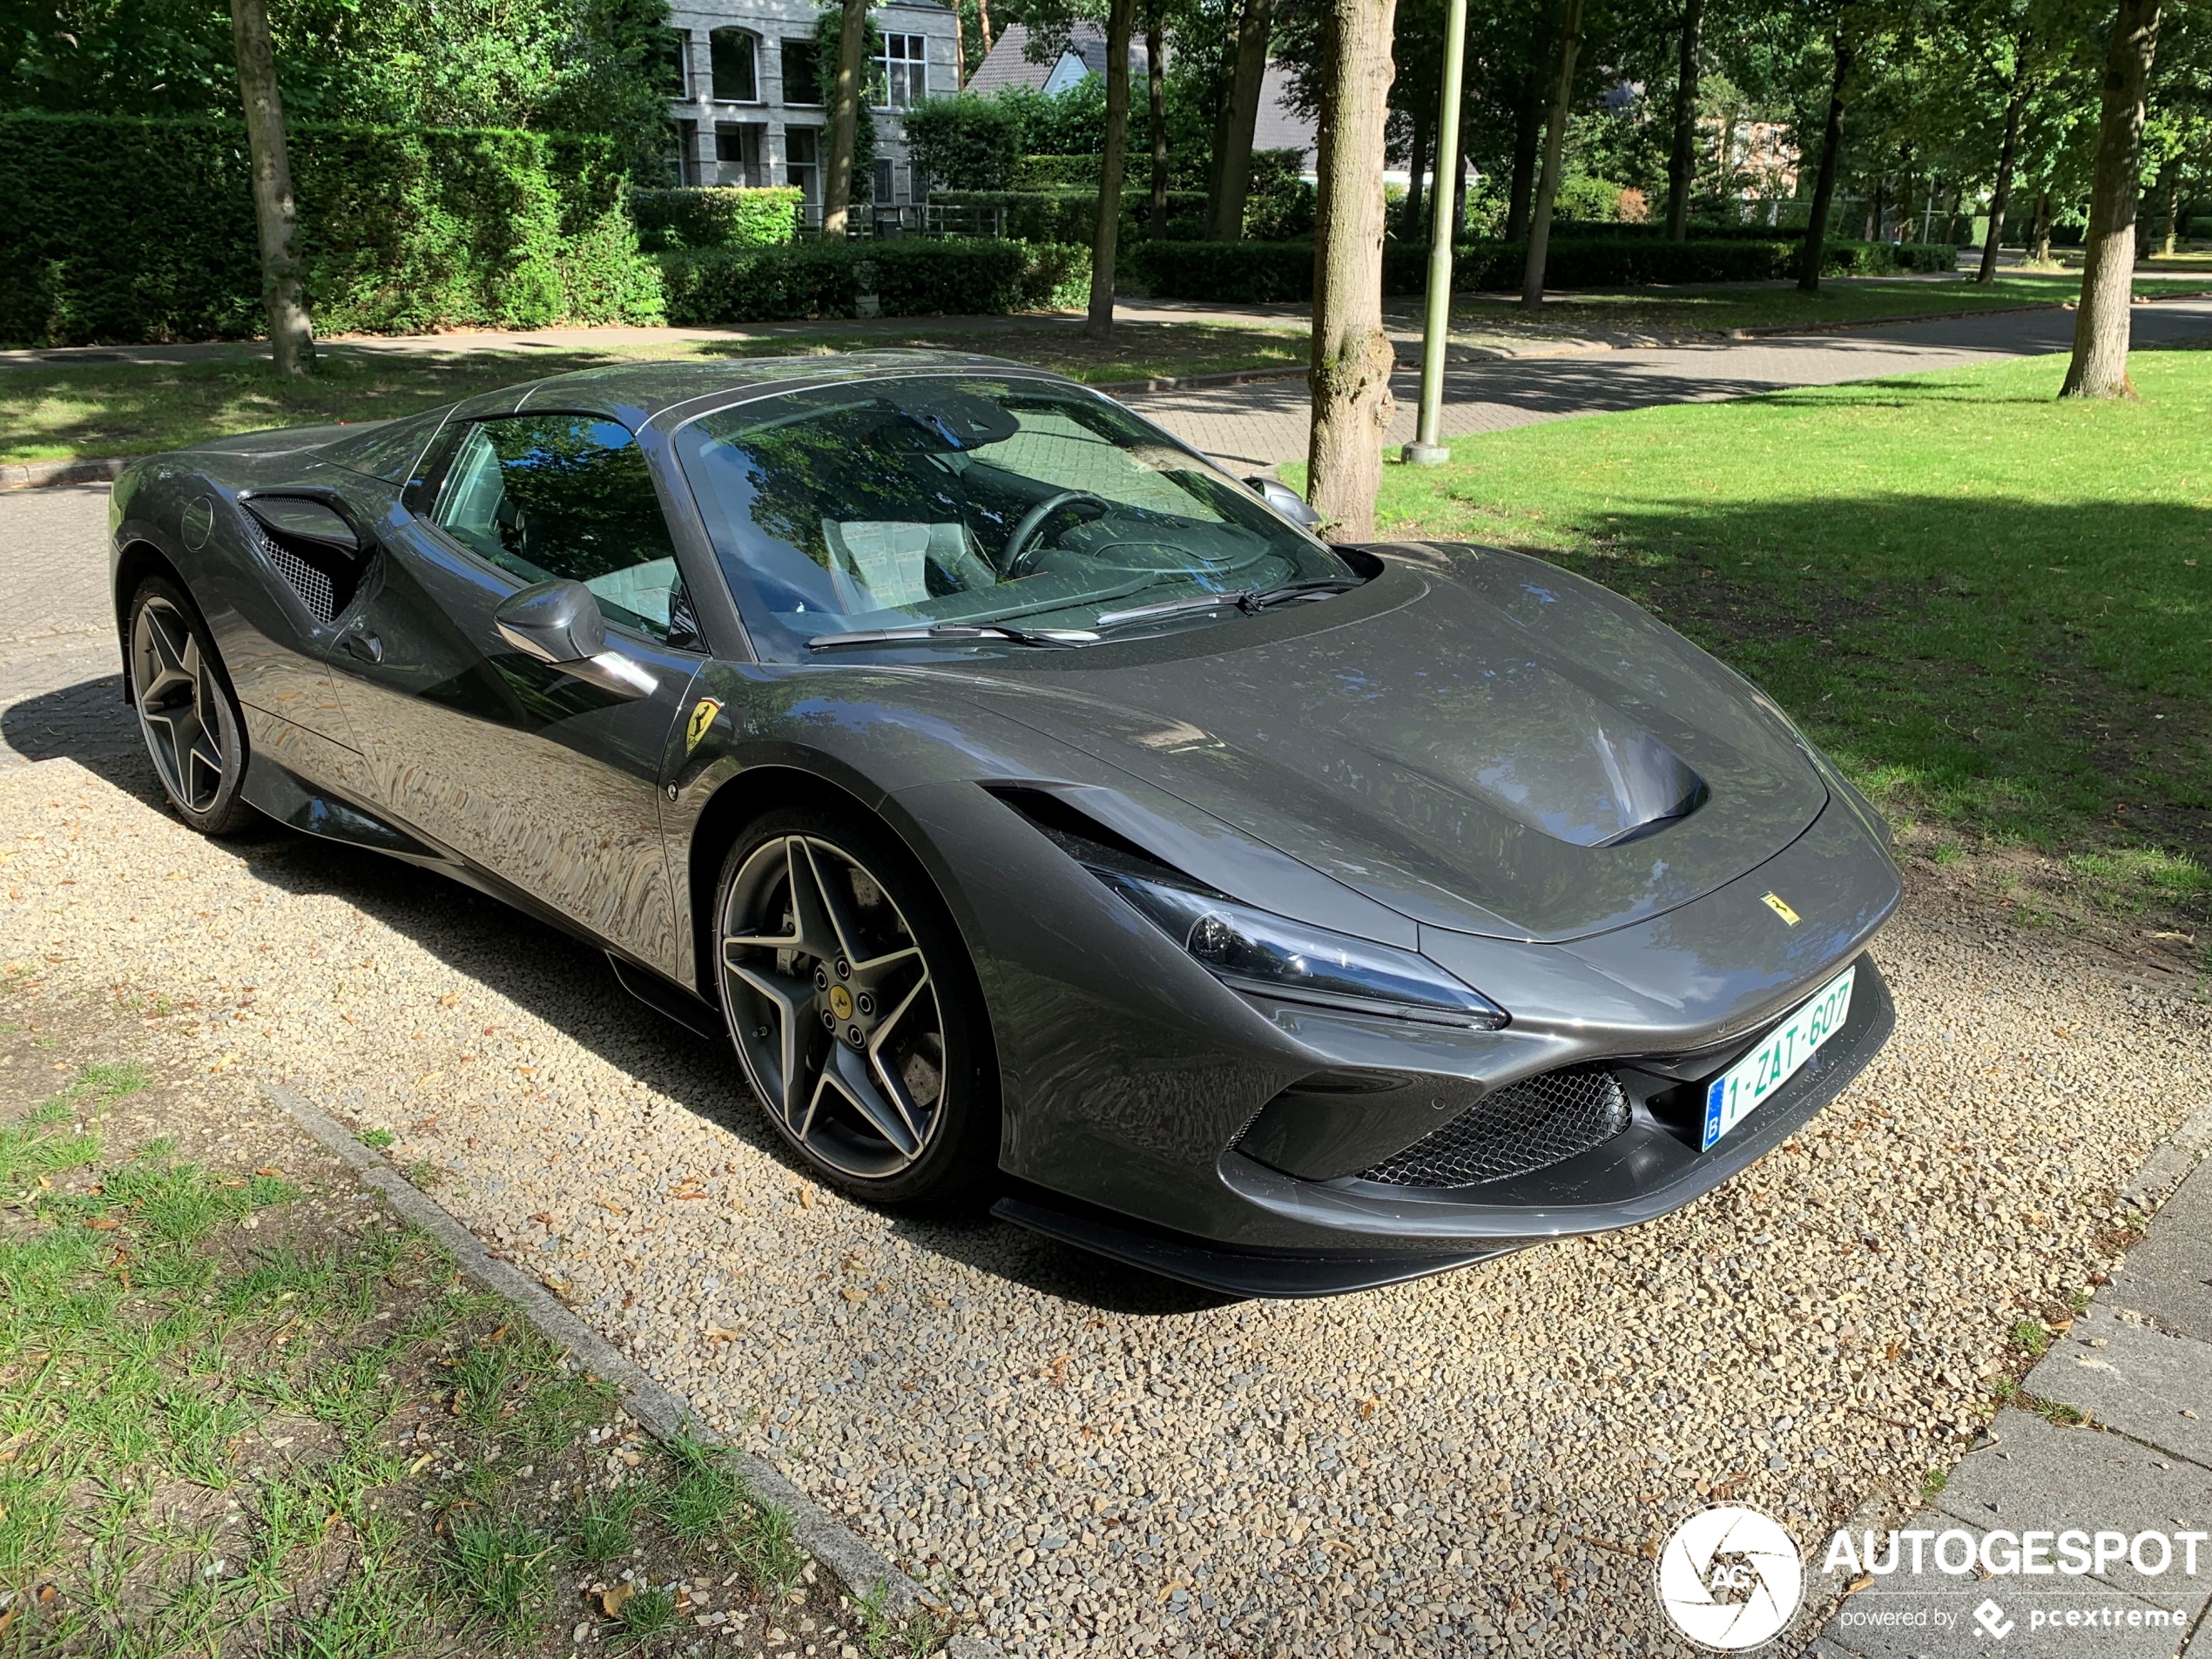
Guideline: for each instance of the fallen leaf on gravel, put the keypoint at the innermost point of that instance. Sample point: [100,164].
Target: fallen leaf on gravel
[722,1333]
[268,1170]
[852,1292]
[1367,1407]
[448,1000]
[421,1463]
[1858,1584]
[542,1215]
[610,1207]
[101,1223]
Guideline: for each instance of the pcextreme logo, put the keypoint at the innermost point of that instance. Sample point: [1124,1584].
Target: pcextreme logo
[1730,1578]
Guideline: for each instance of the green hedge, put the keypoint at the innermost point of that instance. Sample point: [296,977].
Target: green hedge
[713,218]
[123,230]
[1274,273]
[2198,230]
[911,277]
[1279,206]
[1070,214]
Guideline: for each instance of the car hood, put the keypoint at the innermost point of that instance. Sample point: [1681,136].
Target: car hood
[1475,738]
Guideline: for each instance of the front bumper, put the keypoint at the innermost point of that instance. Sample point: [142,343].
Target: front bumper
[1392,1235]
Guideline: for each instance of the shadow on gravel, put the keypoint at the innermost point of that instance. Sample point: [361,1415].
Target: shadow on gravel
[86,722]
[569,985]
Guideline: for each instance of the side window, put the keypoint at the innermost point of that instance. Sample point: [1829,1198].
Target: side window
[568,495]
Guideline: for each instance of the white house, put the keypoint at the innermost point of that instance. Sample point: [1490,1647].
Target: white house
[748,108]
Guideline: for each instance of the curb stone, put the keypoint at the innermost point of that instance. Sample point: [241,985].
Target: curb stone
[38,474]
[855,1566]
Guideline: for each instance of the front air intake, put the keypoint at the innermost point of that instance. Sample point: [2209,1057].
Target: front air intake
[1531,1125]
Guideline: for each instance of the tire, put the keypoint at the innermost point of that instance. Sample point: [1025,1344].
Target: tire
[187,712]
[854,1009]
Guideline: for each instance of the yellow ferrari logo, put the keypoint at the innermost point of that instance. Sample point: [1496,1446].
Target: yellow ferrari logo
[840,1003]
[703,714]
[1780,906]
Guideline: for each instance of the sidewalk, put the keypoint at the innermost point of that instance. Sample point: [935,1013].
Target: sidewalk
[2123,1445]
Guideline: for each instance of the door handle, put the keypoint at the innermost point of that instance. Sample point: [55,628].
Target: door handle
[366,647]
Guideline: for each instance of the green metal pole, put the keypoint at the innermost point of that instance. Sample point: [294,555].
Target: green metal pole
[1427,449]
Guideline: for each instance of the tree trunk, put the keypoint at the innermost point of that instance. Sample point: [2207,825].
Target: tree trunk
[1528,138]
[845,115]
[1409,219]
[1155,92]
[291,335]
[1824,189]
[983,24]
[1682,165]
[1458,172]
[1881,209]
[1120,21]
[2001,197]
[2101,325]
[1540,213]
[2170,243]
[2040,242]
[1352,356]
[1254,25]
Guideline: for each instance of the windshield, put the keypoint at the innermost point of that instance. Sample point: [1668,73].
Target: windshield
[968,500]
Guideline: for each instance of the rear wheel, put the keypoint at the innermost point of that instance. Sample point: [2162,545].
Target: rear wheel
[186,713]
[854,1008]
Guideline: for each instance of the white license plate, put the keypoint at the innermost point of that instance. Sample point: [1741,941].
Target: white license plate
[1739,1091]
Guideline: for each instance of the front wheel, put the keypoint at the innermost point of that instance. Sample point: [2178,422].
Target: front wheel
[189,720]
[854,1009]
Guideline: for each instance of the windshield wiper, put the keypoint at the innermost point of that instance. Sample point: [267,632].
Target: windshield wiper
[1244,599]
[954,631]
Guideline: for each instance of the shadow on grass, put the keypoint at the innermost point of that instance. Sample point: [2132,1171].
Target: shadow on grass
[2015,669]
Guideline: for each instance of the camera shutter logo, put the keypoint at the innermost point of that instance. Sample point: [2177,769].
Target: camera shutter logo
[1730,1578]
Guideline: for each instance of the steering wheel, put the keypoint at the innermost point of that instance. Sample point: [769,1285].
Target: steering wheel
[1018,550]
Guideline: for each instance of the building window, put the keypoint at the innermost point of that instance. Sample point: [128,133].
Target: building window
[802,162]
[802,72]
[884,197]
[737,152]
[903,73]
[736,79]
[667,61]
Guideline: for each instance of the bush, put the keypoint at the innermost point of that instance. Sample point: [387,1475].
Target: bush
[911,277]
[1069,215]
[965,142]
[668,219]
[123,230]
[2200,230]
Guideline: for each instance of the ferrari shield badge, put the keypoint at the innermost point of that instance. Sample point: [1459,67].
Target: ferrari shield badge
[1773,901]
[703,714]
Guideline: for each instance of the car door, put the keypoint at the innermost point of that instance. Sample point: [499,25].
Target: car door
[548,781]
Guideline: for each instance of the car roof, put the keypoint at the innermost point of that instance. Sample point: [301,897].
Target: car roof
[640,391]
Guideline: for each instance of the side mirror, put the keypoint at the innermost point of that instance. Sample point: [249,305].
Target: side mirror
[556,622]
[560,622]
[1284,500]
[301,519]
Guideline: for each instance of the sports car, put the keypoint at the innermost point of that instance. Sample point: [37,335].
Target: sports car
[1046,816]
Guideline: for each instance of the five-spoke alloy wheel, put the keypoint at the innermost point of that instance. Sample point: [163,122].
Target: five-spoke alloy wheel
[839,979]
[191,724]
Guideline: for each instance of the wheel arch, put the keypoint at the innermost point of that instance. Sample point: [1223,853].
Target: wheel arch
[754,791]
[138,560]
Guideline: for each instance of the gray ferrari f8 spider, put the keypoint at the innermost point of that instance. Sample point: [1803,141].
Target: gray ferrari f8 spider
[1045,816]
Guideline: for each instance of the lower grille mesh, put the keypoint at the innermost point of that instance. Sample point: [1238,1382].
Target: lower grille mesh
[1546,1120]
[313,586]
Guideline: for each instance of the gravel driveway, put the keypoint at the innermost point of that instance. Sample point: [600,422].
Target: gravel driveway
[1082,1462]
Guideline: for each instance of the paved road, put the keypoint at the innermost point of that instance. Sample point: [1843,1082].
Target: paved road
[1265,425]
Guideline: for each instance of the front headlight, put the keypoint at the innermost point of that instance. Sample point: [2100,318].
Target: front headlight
[1270,955]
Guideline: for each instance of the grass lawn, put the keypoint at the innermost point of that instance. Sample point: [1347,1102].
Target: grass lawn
[1994,607]
[53,412]
[1742,306]
[242,1411]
